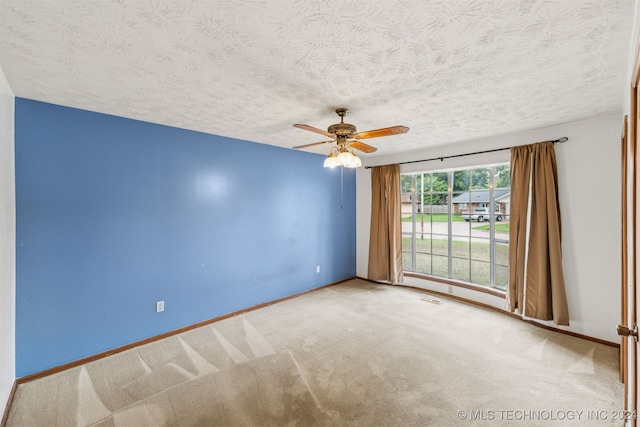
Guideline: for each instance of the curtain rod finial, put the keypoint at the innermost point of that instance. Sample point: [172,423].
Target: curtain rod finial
[561,140]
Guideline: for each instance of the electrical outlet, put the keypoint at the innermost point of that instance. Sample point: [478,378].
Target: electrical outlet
[159,306]
[450,289]
[317,269]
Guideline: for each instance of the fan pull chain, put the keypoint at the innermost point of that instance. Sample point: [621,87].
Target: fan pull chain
[341,187]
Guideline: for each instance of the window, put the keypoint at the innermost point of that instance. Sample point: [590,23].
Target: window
[449,229]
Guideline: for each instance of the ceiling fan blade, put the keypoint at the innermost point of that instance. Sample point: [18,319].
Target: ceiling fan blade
[395,130]
[312,129]
[365,148]
[311,145]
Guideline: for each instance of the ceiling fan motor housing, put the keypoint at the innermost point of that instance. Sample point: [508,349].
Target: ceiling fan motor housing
[343,129]
[346,135]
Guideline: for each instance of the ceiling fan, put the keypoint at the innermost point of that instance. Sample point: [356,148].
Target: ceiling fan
[346,136]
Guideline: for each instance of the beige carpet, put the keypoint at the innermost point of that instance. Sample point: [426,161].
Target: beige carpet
[354,354]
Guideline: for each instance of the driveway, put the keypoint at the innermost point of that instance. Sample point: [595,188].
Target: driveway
[460,231]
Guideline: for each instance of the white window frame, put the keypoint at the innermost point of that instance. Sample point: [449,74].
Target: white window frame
[492,240]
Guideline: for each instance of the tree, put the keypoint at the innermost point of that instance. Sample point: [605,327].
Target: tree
[434,183]
[405,183]
[502,177]
[470,179]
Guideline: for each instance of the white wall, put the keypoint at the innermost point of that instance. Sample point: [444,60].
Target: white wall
[589,185]
[7,243]
[633,44]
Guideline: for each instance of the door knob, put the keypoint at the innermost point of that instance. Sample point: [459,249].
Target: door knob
[624,331]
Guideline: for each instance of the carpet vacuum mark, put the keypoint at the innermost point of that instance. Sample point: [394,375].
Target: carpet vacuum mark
[354,354]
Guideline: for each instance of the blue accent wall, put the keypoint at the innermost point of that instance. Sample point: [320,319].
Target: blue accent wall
[115,214]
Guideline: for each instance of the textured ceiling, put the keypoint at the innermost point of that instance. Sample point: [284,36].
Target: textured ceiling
[450,70]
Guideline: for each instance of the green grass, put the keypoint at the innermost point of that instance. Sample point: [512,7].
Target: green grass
[433,218]
[500,227]
[470,260]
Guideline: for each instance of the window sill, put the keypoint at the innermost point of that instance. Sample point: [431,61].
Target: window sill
[478,288]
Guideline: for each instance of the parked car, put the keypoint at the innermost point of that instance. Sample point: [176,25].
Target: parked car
[482,214]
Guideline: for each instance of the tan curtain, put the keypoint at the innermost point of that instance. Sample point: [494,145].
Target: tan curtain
[536,280]
[520,178]
[385,237]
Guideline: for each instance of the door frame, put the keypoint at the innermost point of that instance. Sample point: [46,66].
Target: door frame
[629,296]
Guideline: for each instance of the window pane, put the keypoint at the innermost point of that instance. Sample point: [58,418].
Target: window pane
[502,277]
[480,273]
[436,187]
[405,183]
[476,249]
[480,250]
[502,253]
[502,190]
[479,180]
[423,263]
[407,261]
[423,226]
[461,270]
[461,179]
[440,244]
[423,245]
[461,248]
[502,264]
[459,227]
[440,266]
[406,242]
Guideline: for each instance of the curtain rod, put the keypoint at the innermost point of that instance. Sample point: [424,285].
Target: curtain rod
[559,140]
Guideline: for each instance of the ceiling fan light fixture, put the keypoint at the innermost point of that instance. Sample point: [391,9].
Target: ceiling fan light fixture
[331,161]
[348,159]
[344,158]
[357,162]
